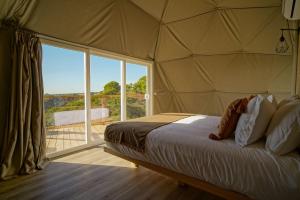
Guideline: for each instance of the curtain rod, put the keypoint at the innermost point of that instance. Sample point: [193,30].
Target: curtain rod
[290,29]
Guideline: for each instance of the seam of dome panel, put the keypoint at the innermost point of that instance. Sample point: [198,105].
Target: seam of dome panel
[221,54]
[224,92]
[231,27]
[203,73]
[143,10]
[261,28]
[159,30]
[176,37]
[164,77]
[216,9]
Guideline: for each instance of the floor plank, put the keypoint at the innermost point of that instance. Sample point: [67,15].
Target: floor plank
[64,137]
[94,174]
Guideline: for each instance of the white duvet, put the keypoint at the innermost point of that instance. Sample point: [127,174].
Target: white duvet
[184,146]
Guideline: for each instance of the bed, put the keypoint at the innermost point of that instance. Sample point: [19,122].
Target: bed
[183,149]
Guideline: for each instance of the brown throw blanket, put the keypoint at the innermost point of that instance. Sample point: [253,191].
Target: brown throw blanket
[133,133]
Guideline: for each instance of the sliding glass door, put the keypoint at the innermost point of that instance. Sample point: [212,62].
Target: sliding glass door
[106,75]
[84,91]
[105,94]
[136,90]
[63,75]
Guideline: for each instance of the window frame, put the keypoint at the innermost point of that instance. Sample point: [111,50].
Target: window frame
[124,59]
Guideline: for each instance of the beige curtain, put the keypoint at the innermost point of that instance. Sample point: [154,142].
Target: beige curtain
[23,149]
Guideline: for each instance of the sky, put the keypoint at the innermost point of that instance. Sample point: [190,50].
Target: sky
[63,71]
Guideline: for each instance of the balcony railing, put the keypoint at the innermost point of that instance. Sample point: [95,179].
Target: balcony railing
[65,117]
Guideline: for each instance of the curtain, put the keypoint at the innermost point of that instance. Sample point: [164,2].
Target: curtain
[24,145]
[298,65]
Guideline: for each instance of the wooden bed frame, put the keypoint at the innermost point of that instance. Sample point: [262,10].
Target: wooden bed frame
[205,186]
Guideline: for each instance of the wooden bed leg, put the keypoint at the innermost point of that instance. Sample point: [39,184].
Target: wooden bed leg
[134,165]
[181,184]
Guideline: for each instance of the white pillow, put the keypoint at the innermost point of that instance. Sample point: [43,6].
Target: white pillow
[283,135]
[253,124]
[288,100]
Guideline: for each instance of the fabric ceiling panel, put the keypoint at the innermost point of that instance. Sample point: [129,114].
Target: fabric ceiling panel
[247,3]
[252,73]
[162,96]
[118,26]
[235,73]
[206,34]
[225,53]
[81,20]
[280,75]
[153,7]
[224,78]
[140,30]
[245,73]
[18,9]
[206,52]
[190,78]
[260,35]
[160,75]
[169,46]
[233,31]
[179,10]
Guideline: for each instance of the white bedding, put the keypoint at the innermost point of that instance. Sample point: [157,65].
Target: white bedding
[184,146]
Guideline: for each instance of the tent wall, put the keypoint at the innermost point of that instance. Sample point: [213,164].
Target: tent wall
[206,52]
[114,25]
[211,52]
[18,9]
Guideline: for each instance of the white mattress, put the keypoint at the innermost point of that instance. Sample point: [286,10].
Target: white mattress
[184,146]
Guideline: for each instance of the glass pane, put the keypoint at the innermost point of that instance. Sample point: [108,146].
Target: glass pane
[105,94]
[136,86]
[63,75]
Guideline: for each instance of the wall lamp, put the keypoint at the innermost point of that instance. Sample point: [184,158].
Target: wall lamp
[282,45]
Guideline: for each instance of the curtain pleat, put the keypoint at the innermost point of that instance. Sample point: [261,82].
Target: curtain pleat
[24,145]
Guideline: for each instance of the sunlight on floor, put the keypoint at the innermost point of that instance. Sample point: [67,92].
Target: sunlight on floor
[104,159]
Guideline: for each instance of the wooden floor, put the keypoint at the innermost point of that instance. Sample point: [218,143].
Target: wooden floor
[94,174]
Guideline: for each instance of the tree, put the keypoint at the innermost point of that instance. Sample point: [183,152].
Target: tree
[129,87]
[135,111]
[140,85]
[114,107]
[111,88]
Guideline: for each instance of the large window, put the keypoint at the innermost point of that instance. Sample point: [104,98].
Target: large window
[136,90]
[63,75]
[105,94]
[85,90]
